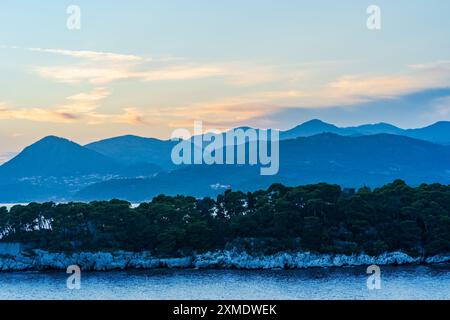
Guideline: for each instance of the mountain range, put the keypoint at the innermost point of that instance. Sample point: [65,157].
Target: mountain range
[136,168]
[438,132]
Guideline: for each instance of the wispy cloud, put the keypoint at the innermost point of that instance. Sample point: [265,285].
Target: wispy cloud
[79,74]
[290,87]
[81,107]
[104,67]
[108,74]
[92,55]
[345,91]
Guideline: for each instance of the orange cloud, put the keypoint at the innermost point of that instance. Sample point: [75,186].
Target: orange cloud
[77,108]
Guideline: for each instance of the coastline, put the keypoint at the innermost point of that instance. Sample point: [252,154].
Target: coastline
[40,260]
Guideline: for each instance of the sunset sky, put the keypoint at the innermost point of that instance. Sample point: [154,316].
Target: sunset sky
[150,67]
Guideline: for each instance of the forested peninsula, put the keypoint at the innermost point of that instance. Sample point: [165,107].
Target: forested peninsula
[312,222]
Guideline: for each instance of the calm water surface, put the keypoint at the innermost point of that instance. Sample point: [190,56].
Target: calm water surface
[413,282]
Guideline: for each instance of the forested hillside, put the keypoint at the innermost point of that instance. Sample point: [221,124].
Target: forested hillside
[320,218]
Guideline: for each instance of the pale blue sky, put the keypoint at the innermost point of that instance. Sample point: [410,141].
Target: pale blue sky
[255,62]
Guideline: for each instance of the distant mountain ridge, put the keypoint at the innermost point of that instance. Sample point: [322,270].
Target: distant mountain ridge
[348,161]
[437,133]
[55,168]
[312,128]
[133,167]
[132,149]
[57,157]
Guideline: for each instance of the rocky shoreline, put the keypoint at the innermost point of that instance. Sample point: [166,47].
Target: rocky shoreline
[104,261]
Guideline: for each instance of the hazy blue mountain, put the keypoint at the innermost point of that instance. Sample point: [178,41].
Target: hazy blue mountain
[137,168]
[438,133]
[315,127]
[138,150]
[54,168]
[131,149]
[57,157]
[311,128]
[349,161]
[377,128]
